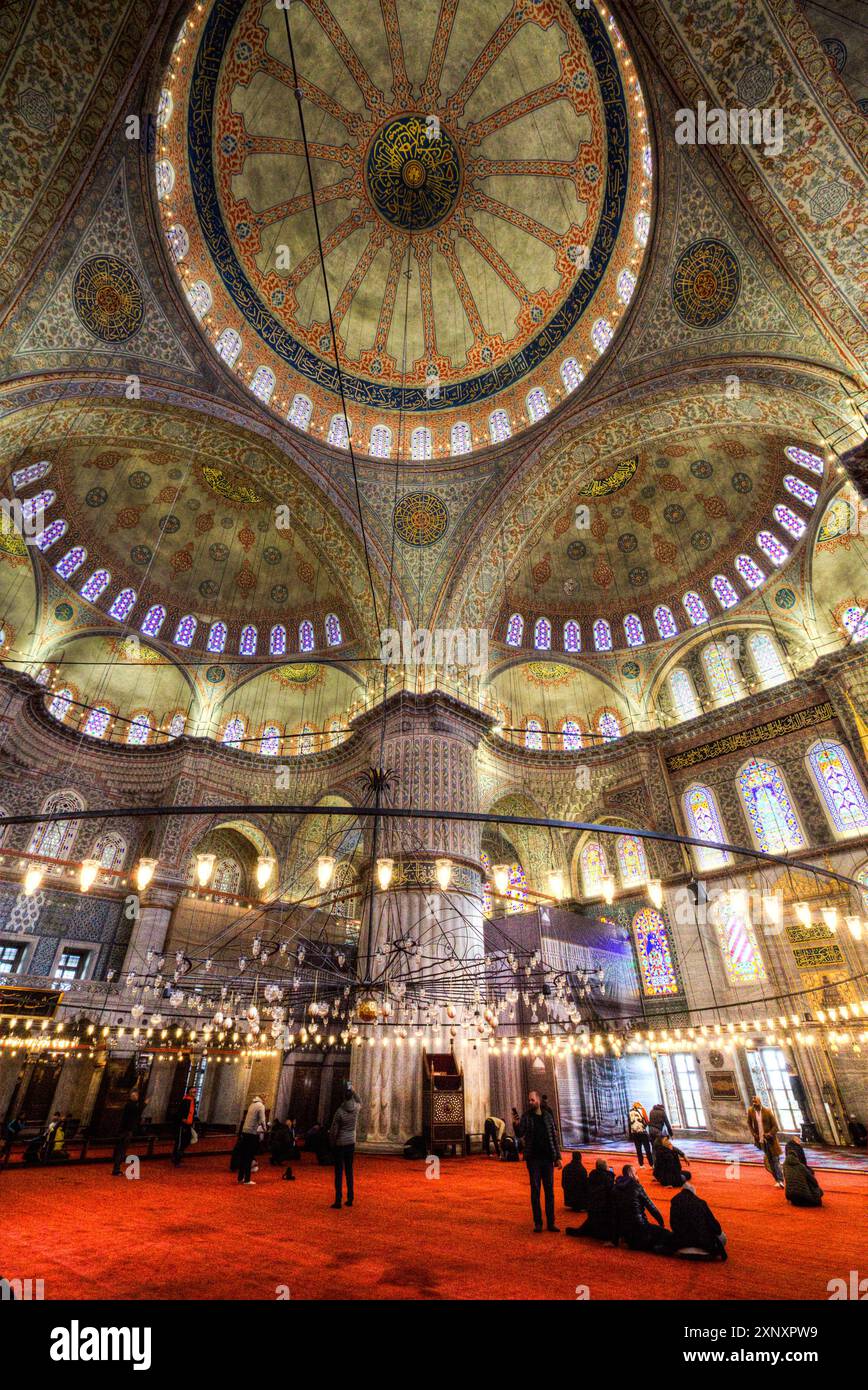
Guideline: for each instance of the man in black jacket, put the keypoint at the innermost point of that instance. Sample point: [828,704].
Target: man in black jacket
[631,1223]
[667,1164]
[600,1224]
[542,1152]
[694,1225]
[574,1179]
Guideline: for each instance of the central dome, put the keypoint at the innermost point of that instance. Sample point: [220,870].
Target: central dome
[483,195]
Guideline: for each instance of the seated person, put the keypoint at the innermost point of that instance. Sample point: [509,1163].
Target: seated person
[694,1225]
[667,1163]
[317,1140]
[574,1179]
[600,1224]
[800,1186]
[631,1223]
[858,1132]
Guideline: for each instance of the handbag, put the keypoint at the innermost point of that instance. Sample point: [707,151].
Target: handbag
[194,1137]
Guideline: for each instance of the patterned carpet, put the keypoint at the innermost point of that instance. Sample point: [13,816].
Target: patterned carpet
[840,1160]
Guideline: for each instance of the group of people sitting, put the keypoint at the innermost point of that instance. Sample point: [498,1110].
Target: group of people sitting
[619,1209]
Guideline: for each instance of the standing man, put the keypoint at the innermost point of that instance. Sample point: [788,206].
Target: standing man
[184,1132]
[129,1125]
[542,1152]
[638,1121]
[343,1141]
[764,1128]
[251,1133]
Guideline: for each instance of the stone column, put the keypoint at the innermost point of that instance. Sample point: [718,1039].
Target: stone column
[150,928]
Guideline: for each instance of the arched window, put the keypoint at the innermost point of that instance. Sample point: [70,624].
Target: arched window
[695,609]
[723,591]
[71,561]
[609,726]
[269,743]
[633,630]
[533,734]
[642,226]
[165,107]
[43,675]
[199,298]
[594,867]
[334,636]
[537,404]
[460,439]
[499,427]
[123,605]
[684,697]
[93,587]
[50,536]
[803,491]
[139,730]
[277,640]
[306,640]
[55,839]
[666,624]
[262,384]
[787,518]
[177,725]
[703,823]
[854,620]
[233,733]
[602,636]
[572,636]
[804,459]
[516,892]
[571,735]
[420,443]
[721,673]
[164,173]
[153,620]
[247,645]
[766,661]
[571,373]
[336,732]
[770,812]
[306,741]
[542,635]
[178,241]
[227,876]
[217,637]
[738,944]
[750,571]
[626,286]
[60,705]
[839,786]
[228,346]
[601,335]
[185,631]
[97,721]
[39,502]
[632,864]
[300,411]
[771,546]
[110,850]
[338,434]
[381,442]
[23,477]
[515,630]
[656,963]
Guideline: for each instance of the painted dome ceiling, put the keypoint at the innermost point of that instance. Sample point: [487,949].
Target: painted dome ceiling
[483,195]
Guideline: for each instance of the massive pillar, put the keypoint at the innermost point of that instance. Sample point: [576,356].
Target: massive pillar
[421,946]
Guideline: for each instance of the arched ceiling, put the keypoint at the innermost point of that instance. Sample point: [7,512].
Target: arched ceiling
[483,176]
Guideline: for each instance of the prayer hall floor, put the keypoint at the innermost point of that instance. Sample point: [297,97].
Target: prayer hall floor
[195,1233]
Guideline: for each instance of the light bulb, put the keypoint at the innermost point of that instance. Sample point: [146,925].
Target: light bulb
[33,878]
[384,872]
[204,868]
[325,868]
[655,892]
[501,878]
[89,870]
[443,870]
[608,886]
[556,884]
[264,869]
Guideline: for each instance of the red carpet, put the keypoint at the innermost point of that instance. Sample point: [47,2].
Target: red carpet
[195,1233]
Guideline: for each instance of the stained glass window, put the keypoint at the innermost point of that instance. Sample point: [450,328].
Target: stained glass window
[666,624]
[602,635]
[487,896]
[542,635]
[787,518]
[632,863]
[750,571]
[39,502]
[683,694]
[185,631]
[839,786]
[199,298]
[381,442]
[515,630]
[609,726]
[537,403]
[277,640]
[703,823]
[516,893]
[738,944]
[153,620]
[571,373]
[71,561]
[97,721]
[333,633]
[23,477]
[55,839]
[633,630]
[533,734]
[300,412]
[460,440]
[572,735]
[769,809]
[626,286]
[642,226]
[695,609]
[420,443]
[804,459]
[572,636]
[722,675]
[262,384]
[594,867]
[110,851]
[647,161]
[139,730]
[247,645]
[767,662]
[93,587]
[338,434]
[655,953]
[723,591]
[306,642]
[336,733]
[50,536]
[805,493]
[227,876]
[123,605]
[306,741]
[177,725]
[855,621]
[165,176]
[179,242]
[601,335]
[216,637]
[233,732]
[499,427]
[59,707]
[771,546]
[228,346]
